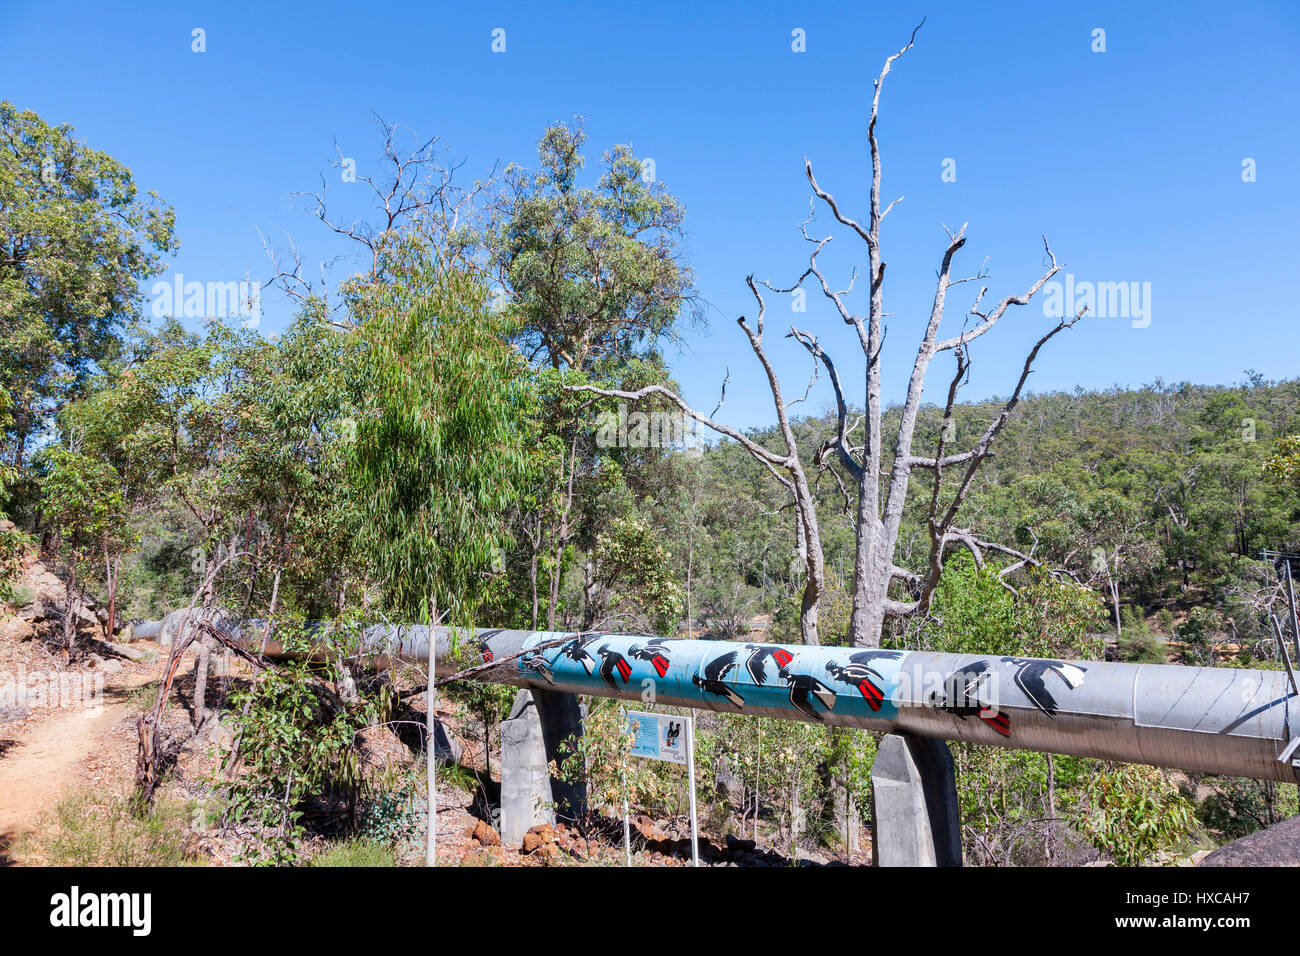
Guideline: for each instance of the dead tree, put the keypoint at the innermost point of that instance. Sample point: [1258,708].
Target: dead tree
[415,192]
[858,456]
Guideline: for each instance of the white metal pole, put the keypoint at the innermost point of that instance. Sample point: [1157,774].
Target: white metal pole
[627,827]
[690,763]
[431,762]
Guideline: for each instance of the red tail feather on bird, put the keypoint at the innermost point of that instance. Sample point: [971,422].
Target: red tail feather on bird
[998,721]
[873,694]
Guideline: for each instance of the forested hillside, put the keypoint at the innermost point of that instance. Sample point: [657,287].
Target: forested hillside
[422,443]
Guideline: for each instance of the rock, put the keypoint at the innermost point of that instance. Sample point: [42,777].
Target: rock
[485,835]
[111,667]
[538,837]
[80,611]
[549,853]
[648,829]
[132,653]
[34,612]
[16,629]
[1278,845]
[737,845]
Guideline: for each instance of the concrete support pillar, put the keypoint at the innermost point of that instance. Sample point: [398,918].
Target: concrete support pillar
[531,736]
[914,803]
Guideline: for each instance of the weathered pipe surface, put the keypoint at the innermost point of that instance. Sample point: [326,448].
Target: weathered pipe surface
[1215,720]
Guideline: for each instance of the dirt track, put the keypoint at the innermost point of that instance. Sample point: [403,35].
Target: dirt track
[40,762]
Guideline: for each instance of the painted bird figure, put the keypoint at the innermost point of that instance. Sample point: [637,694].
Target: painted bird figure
[804,687]
[536,661]
[1031,678]
[858,673]
[714,679]
[962,697]
[576,650]
[653,651]
[756,662]
[611,661]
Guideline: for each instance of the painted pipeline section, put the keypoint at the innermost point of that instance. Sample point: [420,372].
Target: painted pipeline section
[1216,720]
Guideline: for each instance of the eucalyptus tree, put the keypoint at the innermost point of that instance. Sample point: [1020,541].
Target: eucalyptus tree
[856,450]
[596,275]
[76,240]
[437,455]
[83,503]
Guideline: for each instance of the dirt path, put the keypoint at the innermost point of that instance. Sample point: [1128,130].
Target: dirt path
[42,764]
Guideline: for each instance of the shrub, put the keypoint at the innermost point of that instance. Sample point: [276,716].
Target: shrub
[1132,811]
[99,829]
[20,596]
[1198,632]
[356,852]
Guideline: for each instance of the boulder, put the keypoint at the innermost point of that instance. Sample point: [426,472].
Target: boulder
[549,853]
[16,629]
[538,837]
[34,612]
[648,828]
[737,845]
[485,835]
[132,653]
[1278,845]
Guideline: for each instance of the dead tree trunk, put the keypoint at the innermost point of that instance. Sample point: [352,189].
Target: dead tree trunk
[855,452]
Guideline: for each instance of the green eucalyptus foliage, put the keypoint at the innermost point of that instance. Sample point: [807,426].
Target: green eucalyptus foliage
[78,239]
[298,739]
[1132,811]
[438,450]
[594,271]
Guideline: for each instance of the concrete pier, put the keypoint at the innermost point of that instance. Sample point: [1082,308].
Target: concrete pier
[914,803]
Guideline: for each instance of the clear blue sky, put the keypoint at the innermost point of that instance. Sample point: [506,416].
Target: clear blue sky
[1129,160]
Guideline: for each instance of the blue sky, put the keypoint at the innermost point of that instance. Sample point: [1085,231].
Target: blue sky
[1130,161]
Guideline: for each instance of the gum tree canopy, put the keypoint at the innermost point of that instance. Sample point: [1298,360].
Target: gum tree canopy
[76,240]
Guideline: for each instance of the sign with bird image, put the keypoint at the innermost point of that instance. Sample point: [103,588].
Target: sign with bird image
[658,736]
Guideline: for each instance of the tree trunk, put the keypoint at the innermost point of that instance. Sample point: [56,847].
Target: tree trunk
[1114,600]
[201,684]
[758,778]
[555,589]
[69,615]
[1051,807]
[532,584]
[112,595]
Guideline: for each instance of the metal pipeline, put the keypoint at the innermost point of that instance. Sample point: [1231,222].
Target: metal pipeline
[1216,720]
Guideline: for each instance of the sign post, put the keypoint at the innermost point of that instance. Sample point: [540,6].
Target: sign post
[627,826]
[671,738]
[690,763]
